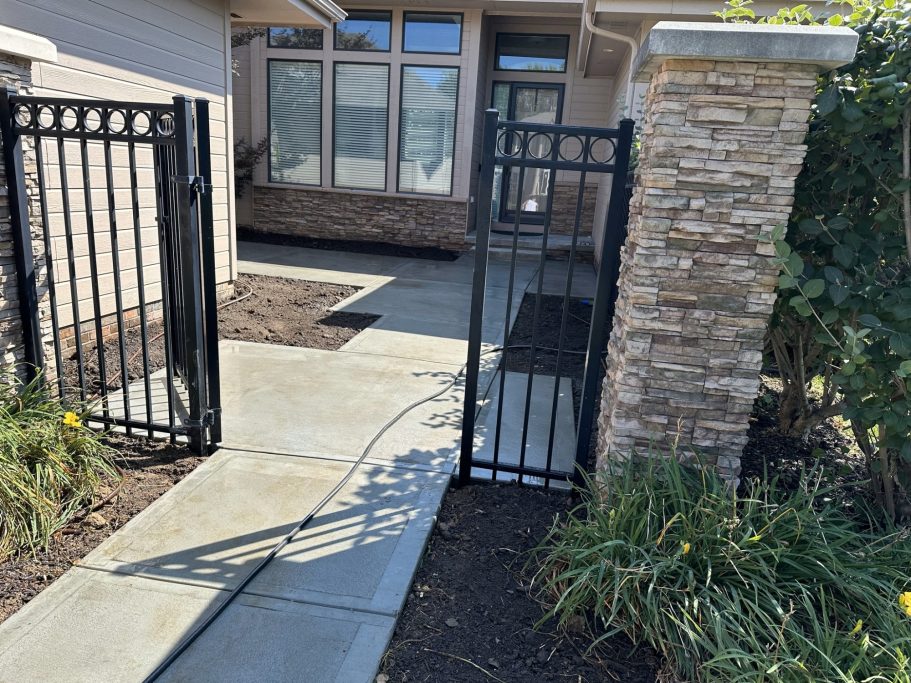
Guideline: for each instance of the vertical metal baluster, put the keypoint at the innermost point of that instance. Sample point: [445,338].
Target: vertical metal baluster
[140,283]
[71,260]
[509,292]
[479,283]
[567,293]
[93,266]
[49,260]
[162,155]
[532,352]
[608,270]
[118,291]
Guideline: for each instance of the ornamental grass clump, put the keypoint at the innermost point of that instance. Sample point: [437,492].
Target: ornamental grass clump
[50,465]
[754,586]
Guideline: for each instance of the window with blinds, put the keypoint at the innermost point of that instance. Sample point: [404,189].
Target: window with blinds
[427,128]
[361,121]
[295,94]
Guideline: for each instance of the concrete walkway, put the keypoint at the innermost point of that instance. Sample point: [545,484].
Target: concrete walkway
[294,421]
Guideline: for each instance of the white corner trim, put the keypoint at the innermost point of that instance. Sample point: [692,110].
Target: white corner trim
[26,45]
[826,47]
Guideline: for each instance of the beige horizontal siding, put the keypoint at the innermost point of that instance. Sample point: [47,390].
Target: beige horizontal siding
[127,50]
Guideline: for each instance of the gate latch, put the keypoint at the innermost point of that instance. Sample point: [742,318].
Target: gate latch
[197,183]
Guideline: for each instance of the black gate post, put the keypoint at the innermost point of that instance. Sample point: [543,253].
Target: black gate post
[605,290]
[476,324]
[14,165]
[188,187]
[210,301]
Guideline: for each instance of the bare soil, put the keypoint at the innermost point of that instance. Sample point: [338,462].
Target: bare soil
[150,468]
[470,615]
[271,310]
[291,313]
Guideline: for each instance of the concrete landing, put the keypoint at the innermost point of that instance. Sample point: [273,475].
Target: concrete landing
[295,420]
[219,523]
[305,401]
[92,626]
[539,422]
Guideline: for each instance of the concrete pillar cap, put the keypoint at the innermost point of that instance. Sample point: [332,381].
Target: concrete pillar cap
[26,45]
[826,47]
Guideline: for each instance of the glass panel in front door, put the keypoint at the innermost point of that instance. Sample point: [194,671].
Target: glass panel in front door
[532,104]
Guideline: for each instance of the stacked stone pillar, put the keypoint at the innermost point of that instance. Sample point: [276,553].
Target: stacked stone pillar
[725,118]
[18,52]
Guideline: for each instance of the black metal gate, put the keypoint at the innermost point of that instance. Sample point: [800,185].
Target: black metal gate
[520,148]
[121,195]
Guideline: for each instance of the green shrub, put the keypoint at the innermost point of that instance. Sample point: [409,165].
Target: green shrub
[50,465]
[759,586]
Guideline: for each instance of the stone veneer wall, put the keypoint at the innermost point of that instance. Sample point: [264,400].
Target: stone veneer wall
[722,144]
[411,221]
[17,72]
[563,212]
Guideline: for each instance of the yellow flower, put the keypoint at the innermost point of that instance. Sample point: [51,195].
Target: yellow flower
[904,601]
[859,625]
[686,548]
[71,419]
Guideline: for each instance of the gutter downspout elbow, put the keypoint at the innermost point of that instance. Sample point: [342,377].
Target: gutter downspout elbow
[588,17]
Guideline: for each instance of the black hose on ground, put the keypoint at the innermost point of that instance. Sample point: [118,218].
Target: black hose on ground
[188,640]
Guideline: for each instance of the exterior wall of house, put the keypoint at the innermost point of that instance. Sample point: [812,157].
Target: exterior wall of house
[304,207]
[301,209]
[130,50]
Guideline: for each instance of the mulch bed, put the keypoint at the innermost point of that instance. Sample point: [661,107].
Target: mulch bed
[150,468]
[786,457]
[470,607]
[271,310]
[246,234]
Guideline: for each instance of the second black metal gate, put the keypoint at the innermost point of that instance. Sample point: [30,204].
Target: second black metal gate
[500,443]
[121,193]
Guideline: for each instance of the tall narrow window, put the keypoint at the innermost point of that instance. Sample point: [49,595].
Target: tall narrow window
[295,94]
[361,122]
[427,128]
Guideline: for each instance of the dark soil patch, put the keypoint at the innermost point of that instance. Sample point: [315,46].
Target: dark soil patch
[355,246]
[150,468]
[770,452]
[291,313]
[548,339]
[272,310]
[473,574]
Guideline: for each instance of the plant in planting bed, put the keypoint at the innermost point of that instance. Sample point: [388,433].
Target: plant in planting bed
[758,586]
[50,464]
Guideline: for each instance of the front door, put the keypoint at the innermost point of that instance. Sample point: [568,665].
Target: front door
[527,103]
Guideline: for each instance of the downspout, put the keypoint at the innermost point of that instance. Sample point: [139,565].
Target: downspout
[588,15]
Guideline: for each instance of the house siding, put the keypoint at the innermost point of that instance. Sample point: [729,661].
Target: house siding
[129,50]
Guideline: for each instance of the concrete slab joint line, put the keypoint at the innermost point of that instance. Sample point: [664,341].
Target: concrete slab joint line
[295,419]
[697,284]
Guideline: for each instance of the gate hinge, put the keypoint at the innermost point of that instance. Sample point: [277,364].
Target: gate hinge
[197,183]
[208,420]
